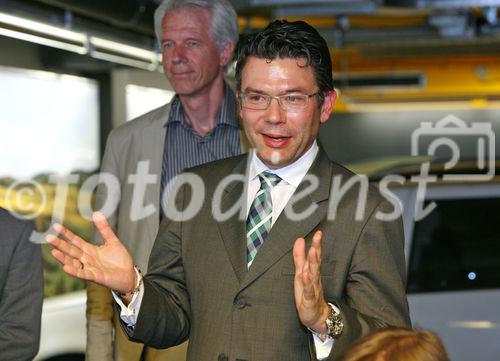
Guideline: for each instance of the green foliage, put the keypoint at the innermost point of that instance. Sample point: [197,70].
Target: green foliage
[56,281]
[6,181]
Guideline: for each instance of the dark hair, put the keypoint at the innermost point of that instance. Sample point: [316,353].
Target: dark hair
[288,39]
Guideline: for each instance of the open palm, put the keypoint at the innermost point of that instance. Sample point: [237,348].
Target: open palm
[109,264]
[312,308]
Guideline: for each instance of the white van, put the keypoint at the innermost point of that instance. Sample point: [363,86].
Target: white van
[453,264]
[63,334]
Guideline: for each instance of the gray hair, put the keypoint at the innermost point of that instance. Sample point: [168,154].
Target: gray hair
[224,27]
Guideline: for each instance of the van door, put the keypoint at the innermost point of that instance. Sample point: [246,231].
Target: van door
[453,263]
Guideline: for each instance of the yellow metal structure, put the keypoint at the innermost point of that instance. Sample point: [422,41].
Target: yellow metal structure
[471,77]
[454,78]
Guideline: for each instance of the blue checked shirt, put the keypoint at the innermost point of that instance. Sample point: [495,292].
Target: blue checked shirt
[184,148]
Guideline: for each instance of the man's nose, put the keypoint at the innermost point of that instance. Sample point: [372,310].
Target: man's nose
[178,54]
[275,114]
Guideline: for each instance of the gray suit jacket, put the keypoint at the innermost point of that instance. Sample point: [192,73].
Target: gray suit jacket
[21,290]
[198,285]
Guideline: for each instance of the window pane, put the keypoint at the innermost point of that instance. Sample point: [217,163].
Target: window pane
[49,125]
[142,99]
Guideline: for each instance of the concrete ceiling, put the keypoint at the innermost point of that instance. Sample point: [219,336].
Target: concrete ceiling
[344,23]
[368,28]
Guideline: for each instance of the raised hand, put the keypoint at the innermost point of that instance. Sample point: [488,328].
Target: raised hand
[109,264]
[309,300]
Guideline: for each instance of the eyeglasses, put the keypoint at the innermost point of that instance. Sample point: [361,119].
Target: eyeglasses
[288,102]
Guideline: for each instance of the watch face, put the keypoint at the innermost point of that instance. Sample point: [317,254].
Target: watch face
[334,324]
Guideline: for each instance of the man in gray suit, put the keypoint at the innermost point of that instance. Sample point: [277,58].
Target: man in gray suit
[199,125]
[21,290]
[272,262]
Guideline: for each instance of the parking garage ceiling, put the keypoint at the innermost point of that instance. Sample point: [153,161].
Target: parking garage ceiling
[344,23]
[405,45]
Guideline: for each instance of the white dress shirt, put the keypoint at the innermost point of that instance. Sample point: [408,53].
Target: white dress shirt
[291,176]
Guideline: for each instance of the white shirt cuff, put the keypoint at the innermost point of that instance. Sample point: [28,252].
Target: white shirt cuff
[128,314]
[323,348]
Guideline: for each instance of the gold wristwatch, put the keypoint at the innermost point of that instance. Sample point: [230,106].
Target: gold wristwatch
[334,324]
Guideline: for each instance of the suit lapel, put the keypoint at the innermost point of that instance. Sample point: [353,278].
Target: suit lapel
[233,230]
[153,139]
[285,230]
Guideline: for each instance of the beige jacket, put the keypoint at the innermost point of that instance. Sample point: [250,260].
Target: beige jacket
[141,139]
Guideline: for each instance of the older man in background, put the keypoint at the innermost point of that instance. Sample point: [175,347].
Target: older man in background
[199,125]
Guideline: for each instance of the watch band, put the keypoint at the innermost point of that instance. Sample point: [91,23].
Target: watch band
[334,324]
[137,285]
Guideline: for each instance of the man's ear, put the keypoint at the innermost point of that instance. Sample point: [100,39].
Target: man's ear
[327,107]
[226,53]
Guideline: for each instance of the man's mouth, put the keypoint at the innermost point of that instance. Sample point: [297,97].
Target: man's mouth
[180,72]
[276,140]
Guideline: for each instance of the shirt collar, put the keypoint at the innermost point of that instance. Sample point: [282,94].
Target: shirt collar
[227,114]
[292,173]
[176,114]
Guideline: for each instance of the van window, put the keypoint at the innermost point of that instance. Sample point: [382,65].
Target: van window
[457,247]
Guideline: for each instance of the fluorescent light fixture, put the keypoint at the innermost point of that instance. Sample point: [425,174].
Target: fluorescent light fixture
[44,41]
[78,42]
[120,48]
[124,60]
[43,34]
[42,28]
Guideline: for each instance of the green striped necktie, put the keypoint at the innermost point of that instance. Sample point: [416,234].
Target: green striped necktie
[259,218]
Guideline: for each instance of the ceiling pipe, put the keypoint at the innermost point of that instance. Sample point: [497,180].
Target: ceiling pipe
[442,4]
[134,15]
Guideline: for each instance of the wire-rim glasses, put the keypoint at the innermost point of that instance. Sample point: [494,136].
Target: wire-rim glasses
[288,102]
